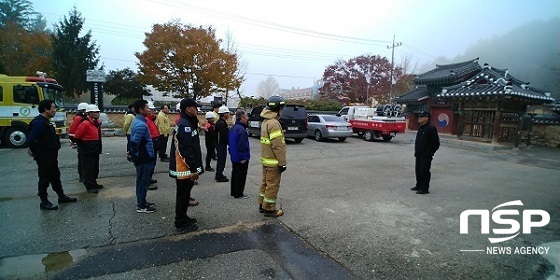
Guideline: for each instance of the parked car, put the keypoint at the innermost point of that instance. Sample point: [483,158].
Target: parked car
[293,121]
[325,126]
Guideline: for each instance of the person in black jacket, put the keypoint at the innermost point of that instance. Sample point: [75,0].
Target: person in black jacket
[222,134]
[43,147]
[425,146]
[185,162]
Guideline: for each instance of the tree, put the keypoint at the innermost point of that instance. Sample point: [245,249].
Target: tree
[268,87]
[23,52]
[185,60]
[346,81]
[73,55]
[125,85]
[15,12]
[238,76]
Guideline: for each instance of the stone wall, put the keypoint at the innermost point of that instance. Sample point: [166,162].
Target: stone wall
[544,135]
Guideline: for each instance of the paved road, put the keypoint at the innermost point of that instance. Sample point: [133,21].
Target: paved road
[349,215]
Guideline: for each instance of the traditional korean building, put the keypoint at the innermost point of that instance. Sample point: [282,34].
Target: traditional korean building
[471,101]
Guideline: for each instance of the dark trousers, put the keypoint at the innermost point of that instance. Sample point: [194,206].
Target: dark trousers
[163,146]
[80,174]
[423,175]
[128,142]
[156,143]
[238,178]
[142,182]
[90,169]
[47,166]
[222,156]
[183,196]
[210,154]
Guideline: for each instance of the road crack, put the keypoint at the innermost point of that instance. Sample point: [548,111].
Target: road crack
[111,224]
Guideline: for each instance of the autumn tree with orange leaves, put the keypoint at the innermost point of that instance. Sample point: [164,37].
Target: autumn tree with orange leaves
[186,61]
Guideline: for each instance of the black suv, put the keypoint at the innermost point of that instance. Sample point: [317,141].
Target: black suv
[293,121]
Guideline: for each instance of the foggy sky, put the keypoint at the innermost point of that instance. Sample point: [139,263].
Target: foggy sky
[294,41]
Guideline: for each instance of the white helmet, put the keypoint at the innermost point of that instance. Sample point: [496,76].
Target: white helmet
[178,107]
[210,115]
[223,109]
[151,105]
[82,106]
[92,108]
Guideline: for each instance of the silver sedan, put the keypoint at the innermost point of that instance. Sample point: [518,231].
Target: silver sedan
[325,126]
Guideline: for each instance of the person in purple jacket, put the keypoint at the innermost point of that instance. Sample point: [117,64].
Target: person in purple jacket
[239,153]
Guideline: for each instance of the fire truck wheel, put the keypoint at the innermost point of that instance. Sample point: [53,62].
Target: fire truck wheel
[318,135]
[368,135]
[16,137]
[387,138]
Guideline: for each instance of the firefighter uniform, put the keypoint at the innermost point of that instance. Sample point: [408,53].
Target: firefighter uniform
[273,160]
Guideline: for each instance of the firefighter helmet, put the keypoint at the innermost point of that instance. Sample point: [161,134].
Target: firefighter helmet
[82,106]
[275,103]
[209,115]
[223,109]
[92,108]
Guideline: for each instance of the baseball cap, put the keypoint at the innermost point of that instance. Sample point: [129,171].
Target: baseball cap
[188,102]
[425,114]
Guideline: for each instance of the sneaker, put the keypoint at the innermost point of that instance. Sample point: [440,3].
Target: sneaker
[152,187]
[146,209]
[222,180]
[153,181]
[92,190]
[244,196]
[64,199]
[97,186]
[273,213]
[150,204]
[193,202]
[47,205]
[422,192]
[210,169]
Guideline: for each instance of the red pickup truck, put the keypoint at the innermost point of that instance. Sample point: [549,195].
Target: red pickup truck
[386,127]
[368,123]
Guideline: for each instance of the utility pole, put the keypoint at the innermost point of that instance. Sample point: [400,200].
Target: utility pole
[392,66]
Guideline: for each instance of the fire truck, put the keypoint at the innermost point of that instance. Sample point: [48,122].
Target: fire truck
[19,97]
[384,121]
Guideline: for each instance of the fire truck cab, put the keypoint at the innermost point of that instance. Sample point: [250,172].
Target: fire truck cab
[19,96]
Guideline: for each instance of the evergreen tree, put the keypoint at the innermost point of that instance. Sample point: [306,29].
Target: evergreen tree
[15,12]
[73,55]
[125,85]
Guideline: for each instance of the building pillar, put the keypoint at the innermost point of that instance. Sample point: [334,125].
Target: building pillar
[497,121]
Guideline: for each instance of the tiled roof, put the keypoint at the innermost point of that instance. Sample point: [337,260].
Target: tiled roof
[499,87]
[415,95]
[448,73]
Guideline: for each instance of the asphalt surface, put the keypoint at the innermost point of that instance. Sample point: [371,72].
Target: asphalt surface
[350,214]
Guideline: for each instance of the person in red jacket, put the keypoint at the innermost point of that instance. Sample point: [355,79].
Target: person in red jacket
[88,137]
[154,133]
[76,121]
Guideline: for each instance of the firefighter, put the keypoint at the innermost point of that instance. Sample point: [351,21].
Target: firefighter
[88,136]
[76,121]
[185,163]
[273,156]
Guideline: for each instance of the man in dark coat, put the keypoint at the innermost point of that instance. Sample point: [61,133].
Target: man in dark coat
[185,162]
[43,147]
[222,134]
[240,154]
[425,146]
